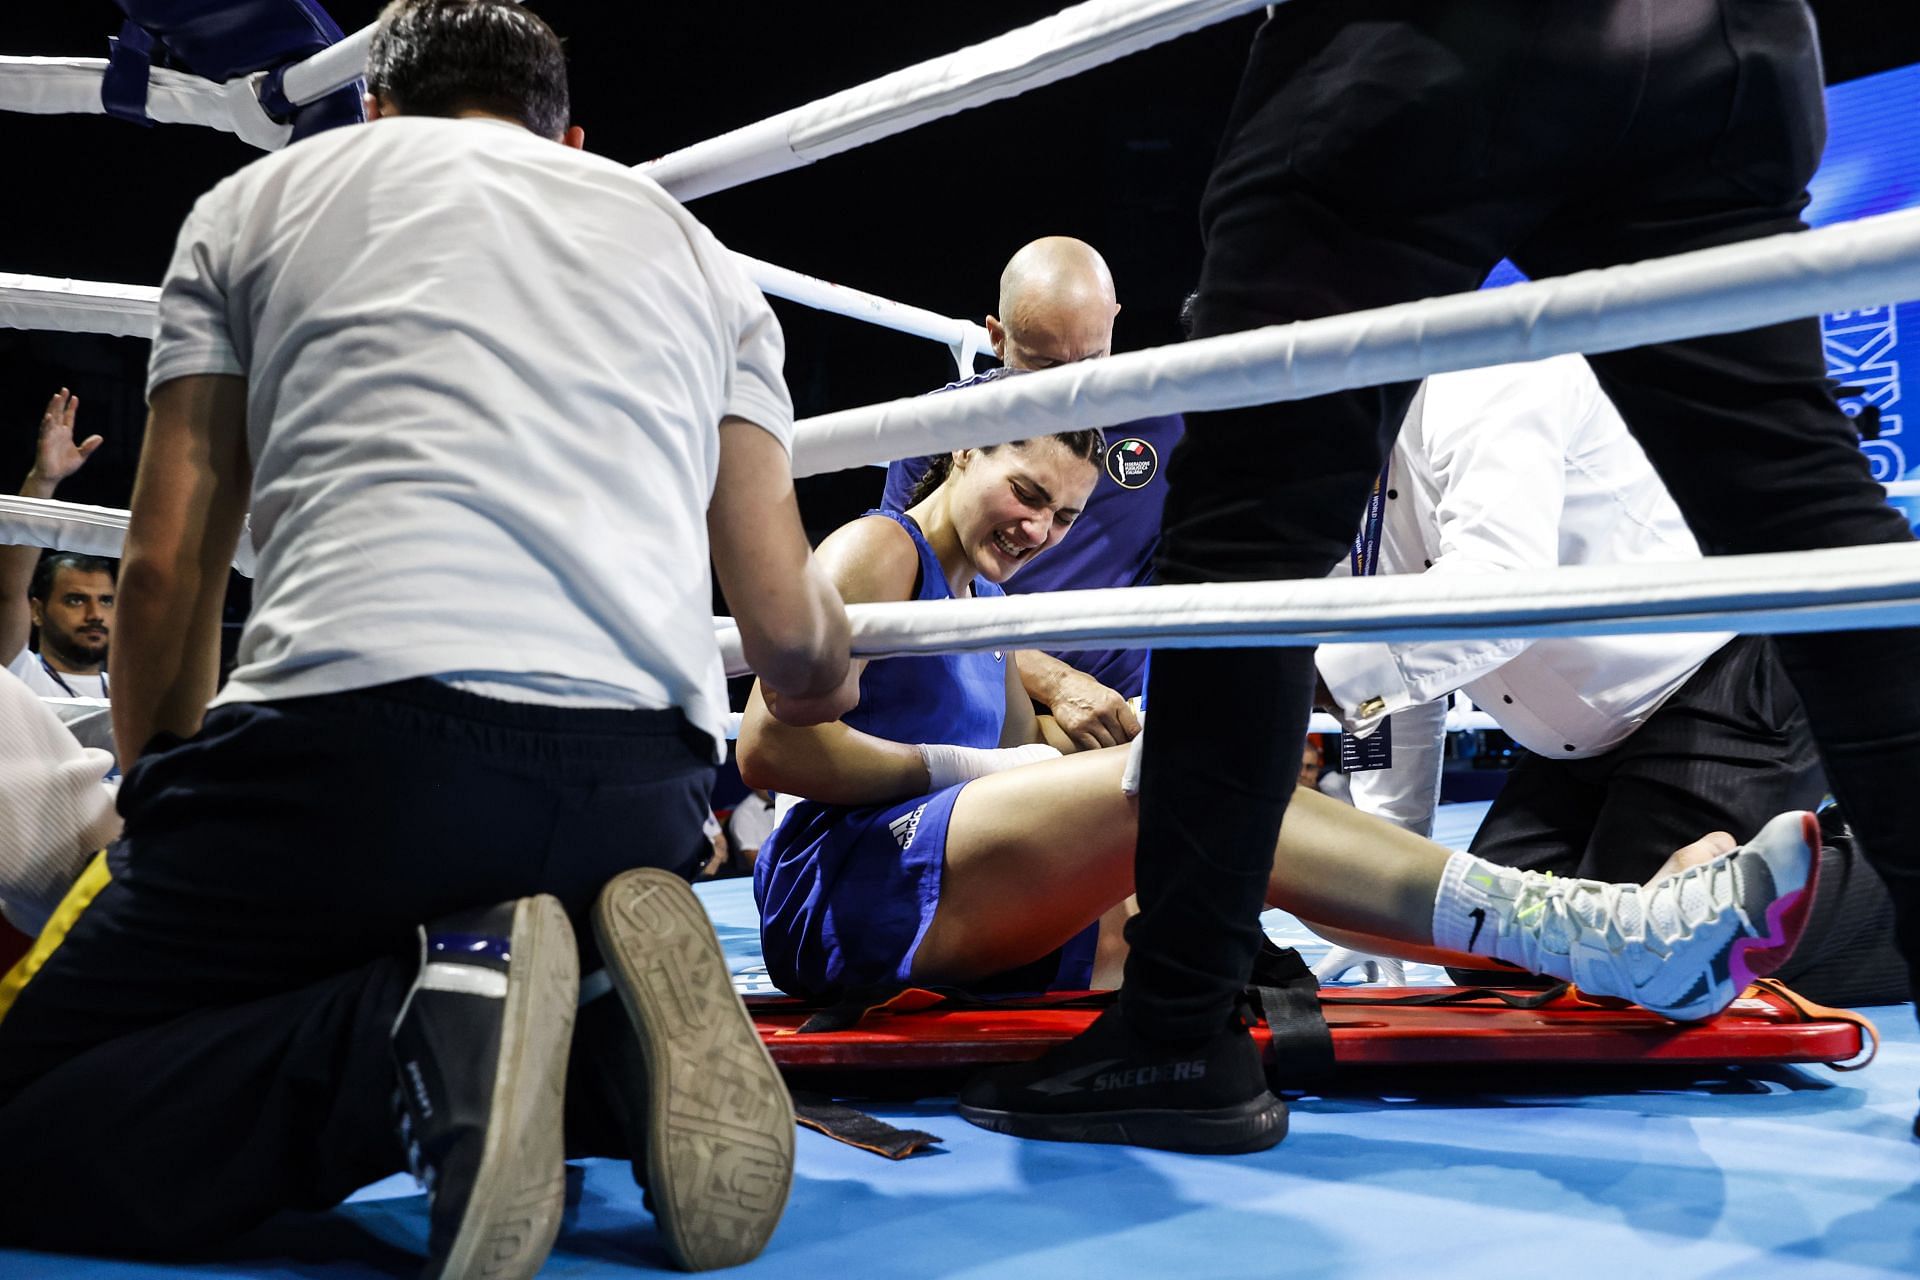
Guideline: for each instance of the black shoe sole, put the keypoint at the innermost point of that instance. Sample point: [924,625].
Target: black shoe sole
[1508,978]
[518,1194]
[1254,1125]
[718,1121]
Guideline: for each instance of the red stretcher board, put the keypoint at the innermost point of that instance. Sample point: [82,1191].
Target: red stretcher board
[1768,1024]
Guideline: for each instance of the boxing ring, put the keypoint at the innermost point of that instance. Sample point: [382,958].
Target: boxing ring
[1717,1173]
[1709,1173]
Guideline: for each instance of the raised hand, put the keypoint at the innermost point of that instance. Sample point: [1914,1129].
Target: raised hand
[58,456]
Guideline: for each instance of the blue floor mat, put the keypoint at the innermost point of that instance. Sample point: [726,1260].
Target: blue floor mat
[1796,1172]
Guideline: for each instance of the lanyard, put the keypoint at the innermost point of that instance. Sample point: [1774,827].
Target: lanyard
[55,676]
[1366,546]
[1375,751]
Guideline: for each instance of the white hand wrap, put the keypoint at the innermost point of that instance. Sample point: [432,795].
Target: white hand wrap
[1130,776]
[947,764]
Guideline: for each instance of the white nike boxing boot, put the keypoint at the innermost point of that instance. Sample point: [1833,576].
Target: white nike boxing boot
[1684,947]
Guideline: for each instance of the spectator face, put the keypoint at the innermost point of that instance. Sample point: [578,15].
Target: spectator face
[76,617]
[1310,764]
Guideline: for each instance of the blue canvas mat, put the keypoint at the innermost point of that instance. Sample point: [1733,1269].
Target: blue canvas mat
[1796,1172]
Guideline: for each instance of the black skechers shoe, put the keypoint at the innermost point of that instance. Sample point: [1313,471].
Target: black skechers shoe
[1109,1085]
[708,1118]
[480,1047]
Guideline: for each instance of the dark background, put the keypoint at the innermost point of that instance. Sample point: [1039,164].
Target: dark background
[1116,156]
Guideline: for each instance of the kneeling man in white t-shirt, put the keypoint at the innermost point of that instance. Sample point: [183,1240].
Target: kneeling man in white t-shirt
[494,404]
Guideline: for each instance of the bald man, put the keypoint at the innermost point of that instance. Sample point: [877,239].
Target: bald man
[1057,306]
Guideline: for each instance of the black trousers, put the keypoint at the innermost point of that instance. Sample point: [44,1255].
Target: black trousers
[207,1042]
[1386,150]
[1726,752]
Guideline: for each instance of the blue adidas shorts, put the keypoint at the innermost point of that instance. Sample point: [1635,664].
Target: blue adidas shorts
[846,894]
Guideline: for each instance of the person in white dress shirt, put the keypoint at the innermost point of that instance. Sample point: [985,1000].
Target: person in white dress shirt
[1634,744]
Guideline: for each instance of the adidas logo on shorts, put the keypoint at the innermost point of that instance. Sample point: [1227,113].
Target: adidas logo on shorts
[903,827]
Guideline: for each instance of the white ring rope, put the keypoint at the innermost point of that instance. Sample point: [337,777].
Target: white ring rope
[132,310]
[1728,288]
[1830,589]
[334,67]
[1723,289]
[78,306]
[1719,290]
[71,86]
[1833,589]
[1076,39]
[1457,721]
[74,526]
[1732,287]
[964,339]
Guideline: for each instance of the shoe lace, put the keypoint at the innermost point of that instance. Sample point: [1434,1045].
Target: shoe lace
[1540,911]
[1554,914]
[1691,900]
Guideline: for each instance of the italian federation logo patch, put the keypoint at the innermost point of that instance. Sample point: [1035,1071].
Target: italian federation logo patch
[1132,463]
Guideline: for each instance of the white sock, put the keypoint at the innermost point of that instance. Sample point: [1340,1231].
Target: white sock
[1476,910]
[1466,907]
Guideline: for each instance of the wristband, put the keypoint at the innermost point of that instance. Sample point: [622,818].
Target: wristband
[1130,776]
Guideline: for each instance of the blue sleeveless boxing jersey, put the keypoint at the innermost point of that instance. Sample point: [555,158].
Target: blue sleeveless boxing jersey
[958,698]
[847,891]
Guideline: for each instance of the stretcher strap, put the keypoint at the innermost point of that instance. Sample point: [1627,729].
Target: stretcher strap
[1810,1011]
[1287,993]
[858,1129]
[851,1009]
[1469,995]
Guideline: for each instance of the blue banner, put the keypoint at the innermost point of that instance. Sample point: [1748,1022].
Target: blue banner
[1872,166]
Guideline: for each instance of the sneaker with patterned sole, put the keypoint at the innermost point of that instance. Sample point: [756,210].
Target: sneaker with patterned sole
[480,1048]
[1685,946]
[710,1120]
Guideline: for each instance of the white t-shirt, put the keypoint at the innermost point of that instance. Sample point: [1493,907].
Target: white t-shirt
[46,683]
[751,822]
[486,375]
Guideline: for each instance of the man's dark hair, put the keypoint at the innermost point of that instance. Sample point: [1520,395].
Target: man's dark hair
[438,57]
[42,585]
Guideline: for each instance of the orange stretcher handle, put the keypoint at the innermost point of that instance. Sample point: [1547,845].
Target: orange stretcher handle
[1813,1012]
